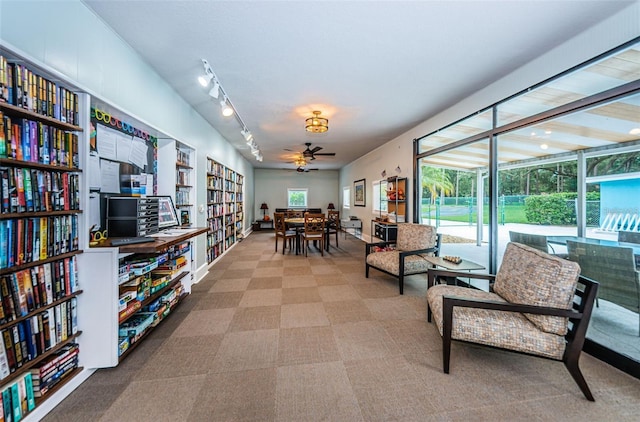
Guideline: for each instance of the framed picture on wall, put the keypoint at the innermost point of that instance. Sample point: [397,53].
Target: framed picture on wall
[359,193]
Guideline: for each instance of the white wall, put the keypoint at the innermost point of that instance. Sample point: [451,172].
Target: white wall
[271,187]
[608,34]
[67,38]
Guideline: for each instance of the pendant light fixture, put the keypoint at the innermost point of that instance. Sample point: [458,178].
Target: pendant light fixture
[316,124]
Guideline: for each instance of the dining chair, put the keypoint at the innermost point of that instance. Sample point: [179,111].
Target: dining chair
[295,213]
[333,226]
[282,231]
[314,224]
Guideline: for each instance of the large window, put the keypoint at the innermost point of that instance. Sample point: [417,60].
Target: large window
[562,160]
[379,192]
[297,198]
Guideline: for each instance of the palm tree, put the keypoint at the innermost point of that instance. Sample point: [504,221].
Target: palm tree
[435,179]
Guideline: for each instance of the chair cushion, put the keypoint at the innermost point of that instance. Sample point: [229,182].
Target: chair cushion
[415,236]
[390,262]
[531,277]
[507,330]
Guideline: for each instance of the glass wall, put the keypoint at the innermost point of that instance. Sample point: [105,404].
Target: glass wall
[453,197]
[563,162]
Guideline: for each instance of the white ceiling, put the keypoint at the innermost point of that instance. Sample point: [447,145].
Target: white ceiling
[374,68]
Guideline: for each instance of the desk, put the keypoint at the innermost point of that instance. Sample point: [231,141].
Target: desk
[464,265]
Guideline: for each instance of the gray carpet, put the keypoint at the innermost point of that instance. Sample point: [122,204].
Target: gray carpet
[272,337]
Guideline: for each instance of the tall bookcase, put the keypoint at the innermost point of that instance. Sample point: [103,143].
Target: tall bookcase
[40,225]
[184,178]
[225,208]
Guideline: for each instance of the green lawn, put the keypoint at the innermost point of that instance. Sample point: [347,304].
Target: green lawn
[512,214]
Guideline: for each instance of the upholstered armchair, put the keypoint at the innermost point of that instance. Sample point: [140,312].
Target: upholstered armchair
[535,306]
[413,241]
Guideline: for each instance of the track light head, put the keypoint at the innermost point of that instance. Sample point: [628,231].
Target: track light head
[226,109]
[214,92]
[208,74]
[247,135]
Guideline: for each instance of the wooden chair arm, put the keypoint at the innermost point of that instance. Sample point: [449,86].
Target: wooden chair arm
[434,273]
[404,254]
[448,302]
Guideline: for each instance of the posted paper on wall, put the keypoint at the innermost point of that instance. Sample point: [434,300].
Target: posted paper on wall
[110,176]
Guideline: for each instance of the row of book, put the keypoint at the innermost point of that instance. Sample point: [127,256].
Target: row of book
[54,369]
[33,336]
[26,240]
[18,399]
[27,140]
[182,157]
[34,190]
[22,87]
[27,290]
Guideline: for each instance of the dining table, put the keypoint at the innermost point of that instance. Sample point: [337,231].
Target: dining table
[297,224]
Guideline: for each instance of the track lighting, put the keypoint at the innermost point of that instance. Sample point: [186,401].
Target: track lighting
[226,106]
[247,135]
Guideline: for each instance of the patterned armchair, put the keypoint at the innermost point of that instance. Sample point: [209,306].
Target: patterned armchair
[532,299]
[413,241]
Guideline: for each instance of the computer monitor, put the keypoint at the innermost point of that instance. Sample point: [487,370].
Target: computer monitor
[167,215]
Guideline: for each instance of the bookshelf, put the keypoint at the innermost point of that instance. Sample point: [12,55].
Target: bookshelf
[215,209]
[239,219]
[396,197]
[138,287]
[225,208]
[185,156]
[396,200]
[40,245]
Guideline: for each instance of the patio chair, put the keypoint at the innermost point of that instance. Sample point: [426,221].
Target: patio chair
[614,267]
[413,241]
[628,237]
[535,306]
[282,231]
[536,241]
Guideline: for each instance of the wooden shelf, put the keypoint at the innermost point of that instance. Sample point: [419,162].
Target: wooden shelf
[58,386]
[40,309]
[184,166]
[21,112]
[160,243]
[19,163]
[33,362]
[16,268]
[38,214]
[183,186]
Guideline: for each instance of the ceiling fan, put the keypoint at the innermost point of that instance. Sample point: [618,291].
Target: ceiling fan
[304,170]
[312,153]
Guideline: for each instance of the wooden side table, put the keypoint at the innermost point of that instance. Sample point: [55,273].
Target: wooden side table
[263,225]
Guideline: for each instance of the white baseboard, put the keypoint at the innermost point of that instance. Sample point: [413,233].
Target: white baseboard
[48,405]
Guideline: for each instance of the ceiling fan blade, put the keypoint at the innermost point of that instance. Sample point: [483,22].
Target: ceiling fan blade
[329,154]
[315,149]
